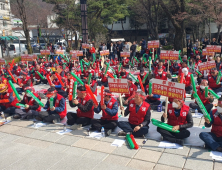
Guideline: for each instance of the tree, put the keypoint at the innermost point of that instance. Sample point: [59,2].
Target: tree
[176,13]
[31,12]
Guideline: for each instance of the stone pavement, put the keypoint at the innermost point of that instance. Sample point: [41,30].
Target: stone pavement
[24,147]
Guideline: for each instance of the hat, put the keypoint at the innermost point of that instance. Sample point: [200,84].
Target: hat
[142,70]
[81,89]
[50,92]
[184,70]
[130,79]
[3,88]
[107,92]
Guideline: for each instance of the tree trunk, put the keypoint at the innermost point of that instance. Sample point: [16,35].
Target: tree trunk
[209,31]
[218,31]
[178,40]
[122,25]
[76,41]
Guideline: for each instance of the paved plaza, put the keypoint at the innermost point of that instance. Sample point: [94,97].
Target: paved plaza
[24,147]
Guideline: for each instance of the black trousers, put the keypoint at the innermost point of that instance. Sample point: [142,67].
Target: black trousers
[173,137]
[97,124]
[73,118]
[9,111]
[62,93]
[195,106]
[46,117]
[24,114]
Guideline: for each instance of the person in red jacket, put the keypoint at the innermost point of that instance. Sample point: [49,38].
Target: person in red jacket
[109,117]
[139,117]
[212,78]
[85,110]
[162,75]
[23,82]
[58,109]
[31,109]
[207,101]
[187,80]
[213,139]
[184,65]
[104,78]
[180,117]
[7,100]
[132,90]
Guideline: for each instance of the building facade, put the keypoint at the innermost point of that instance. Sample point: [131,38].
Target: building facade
[5,18]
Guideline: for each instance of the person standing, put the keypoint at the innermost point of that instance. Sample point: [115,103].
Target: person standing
[112,52]
[132,50]
[189,47]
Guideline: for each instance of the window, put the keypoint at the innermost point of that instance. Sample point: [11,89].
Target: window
[5,23]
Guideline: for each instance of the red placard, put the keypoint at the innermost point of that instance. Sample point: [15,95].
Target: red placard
[168,89]
[79,53]
[84,45]
[45,52]
[74,56]
[2,61]
[102,53]
[106,52]
[118,85]
[153,44]
[124,54]
[205,52]
[60,52]
[26,57]
[214,48]
[169,55]
[73,52]
[206,65]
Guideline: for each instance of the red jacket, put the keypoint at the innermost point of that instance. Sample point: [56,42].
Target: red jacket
[103,78]
[163,77]
[31,102]
[156,69]
[4,99]
[181,120]
[187,80]
[105,115]
[137,118]
[217,125]
[132,89]
[64,112]
[92,50]
[24,82]
[88,114]
[202,96]
[212,82]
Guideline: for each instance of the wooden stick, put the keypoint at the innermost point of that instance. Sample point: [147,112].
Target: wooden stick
[121,103]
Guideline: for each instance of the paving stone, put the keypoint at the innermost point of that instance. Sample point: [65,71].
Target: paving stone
[37,134]
[85,143]
[9,138]
[111,138]
[198,164]
[9,129]
[12,153]
[51,137]
[80,133]
[76,151]
[141,165]
[104,147]
[2,134]
[152,145]
[68,140]
[75,162]
[165,167]
[49,128]
[38,160]
[56,148]
[23,131]
[21,123]
[172,160]
[200,153]
[114,159]
[183,151]
[40,144]
[98,156]
[125,151]
[217,165]
[148,155]
[108,166]
[24,140]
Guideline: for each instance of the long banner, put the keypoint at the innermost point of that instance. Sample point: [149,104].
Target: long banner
[2,61]
[206,65]
[153,44]
[124,54]
[205,52]
[214,48]
[118,85]
[169,55]
[168,89]
[26,57]
[45,52]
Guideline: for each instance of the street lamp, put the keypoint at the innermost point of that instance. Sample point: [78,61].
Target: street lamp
[84,21]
